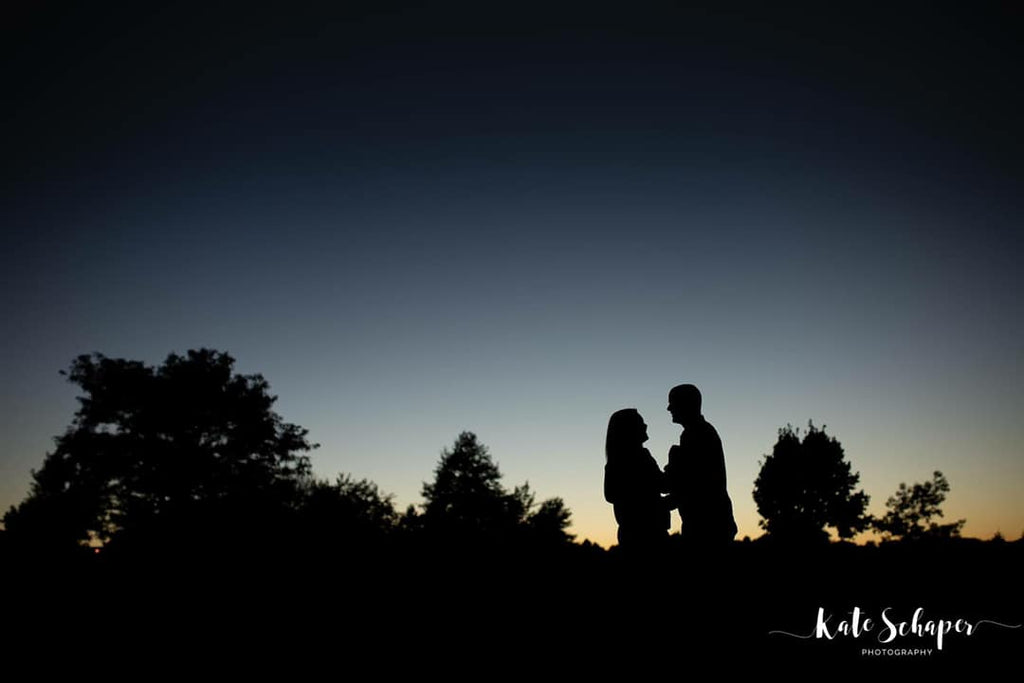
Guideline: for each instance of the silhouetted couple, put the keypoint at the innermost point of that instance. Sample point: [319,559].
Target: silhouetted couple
[694,479]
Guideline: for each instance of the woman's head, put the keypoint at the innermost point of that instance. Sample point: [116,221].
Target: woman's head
[627,432]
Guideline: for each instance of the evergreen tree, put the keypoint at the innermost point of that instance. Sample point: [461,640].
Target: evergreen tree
[468,498]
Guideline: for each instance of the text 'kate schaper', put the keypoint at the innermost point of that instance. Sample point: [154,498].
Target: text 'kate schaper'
[859,624]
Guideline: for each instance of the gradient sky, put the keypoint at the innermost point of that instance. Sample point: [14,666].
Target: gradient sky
[418,221]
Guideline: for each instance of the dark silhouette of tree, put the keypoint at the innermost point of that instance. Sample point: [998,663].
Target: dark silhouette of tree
[410,522]
[545,522]
[468,498]
[466,493]
[173,446]
[349,508]
[805,486]
[343,528]
[550,521]
[912,508]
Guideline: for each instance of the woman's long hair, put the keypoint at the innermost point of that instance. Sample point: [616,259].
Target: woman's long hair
[623,433]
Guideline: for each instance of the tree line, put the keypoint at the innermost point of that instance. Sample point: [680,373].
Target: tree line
[191,454]
[807,485]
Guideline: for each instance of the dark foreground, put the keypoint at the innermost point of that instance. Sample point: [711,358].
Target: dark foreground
[480,612]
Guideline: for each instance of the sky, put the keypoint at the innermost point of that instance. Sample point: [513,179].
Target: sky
[419,219]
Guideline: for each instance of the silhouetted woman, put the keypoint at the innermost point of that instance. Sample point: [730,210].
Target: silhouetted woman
[633,483]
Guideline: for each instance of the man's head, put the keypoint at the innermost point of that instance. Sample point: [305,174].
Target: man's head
[684,404]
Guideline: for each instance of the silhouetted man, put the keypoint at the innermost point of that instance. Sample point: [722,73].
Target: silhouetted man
[696,473]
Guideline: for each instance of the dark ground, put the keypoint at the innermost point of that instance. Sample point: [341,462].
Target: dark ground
[479,612]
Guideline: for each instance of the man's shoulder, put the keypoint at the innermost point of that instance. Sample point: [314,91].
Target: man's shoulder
[710,428]
[701,432]
[701,426]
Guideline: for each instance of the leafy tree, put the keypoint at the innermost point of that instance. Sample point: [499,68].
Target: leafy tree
[350,506]
[467,497]
[806,485]
[550,521]
[912,508]
[348,525]
[410,521]
[545,522]
[162,447]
